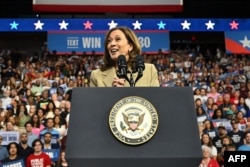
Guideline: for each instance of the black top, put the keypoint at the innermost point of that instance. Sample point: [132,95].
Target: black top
[25,152]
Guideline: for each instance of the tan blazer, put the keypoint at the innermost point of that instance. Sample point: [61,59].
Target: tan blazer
[100,78]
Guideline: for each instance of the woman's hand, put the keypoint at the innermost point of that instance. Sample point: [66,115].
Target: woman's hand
[118,82]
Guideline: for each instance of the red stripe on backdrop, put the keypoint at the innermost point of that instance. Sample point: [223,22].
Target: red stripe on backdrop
[103,8]
[234,47]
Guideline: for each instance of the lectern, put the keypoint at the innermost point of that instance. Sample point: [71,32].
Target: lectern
[91,142]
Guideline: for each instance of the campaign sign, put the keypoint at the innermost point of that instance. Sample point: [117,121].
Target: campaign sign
[201,118]
[17,163]
[87,41]
[9,136]
[236,158]
[223,122]
[52,153]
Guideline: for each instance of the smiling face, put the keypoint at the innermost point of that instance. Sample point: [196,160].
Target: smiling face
[118,45]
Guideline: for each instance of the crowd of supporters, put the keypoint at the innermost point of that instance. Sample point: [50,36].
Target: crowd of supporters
[36,96]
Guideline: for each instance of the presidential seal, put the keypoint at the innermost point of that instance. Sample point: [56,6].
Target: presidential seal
[133,120]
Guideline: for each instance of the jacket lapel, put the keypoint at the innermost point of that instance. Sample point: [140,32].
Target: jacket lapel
[108,77]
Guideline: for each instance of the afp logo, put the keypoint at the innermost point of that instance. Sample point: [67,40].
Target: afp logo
[236,158]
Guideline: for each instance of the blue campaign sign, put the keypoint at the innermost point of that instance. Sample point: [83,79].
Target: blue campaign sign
[52,153]
[17,163]
[87,41]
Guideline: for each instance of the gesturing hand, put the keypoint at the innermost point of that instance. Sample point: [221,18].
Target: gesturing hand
[118,82]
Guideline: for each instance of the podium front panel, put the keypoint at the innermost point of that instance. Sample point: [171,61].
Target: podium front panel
[90,142]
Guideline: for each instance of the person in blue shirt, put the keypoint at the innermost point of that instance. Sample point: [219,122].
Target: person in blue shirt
[3,150]
[50,128]
[246,146]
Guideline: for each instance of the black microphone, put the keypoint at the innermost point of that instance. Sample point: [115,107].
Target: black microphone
[139,64]
[122,66]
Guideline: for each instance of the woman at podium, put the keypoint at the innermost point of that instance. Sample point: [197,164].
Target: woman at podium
[122,64]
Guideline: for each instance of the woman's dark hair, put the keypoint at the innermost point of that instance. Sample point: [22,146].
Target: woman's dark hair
[132,39]
[61,122]
[210,122]
[17,147]
[69,94]
[47,107]
[215,114]
[44,112]
[210,143]
[203,111]
[194,92]
[25,109]
[37,125]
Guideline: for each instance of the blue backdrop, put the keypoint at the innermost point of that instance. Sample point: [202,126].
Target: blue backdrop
[79,41]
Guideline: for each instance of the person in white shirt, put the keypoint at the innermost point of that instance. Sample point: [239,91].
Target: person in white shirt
[55,100]
[6,100]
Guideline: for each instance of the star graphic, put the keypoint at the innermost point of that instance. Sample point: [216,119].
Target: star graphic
[14,25]
[185,25]
[63,25]
[88,25]
[137,25]
[234,25]
[245,42]
[112,24]
[39,25]
[161,25]
[210,25]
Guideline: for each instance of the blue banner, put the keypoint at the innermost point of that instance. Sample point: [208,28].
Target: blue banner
[17,163]
[53,154]
[87,41]
[93,24]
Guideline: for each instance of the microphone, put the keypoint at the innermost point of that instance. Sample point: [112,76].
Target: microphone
[139,64]
[122,66]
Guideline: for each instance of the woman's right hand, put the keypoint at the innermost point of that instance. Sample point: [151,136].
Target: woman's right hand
[118,82]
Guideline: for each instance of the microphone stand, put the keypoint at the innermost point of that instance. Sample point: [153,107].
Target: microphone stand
[131,80]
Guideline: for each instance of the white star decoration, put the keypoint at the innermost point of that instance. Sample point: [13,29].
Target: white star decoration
[63,25]
[39,25]
[210,25]
[185,25]
[137,25]
[112,24]
[245,42]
